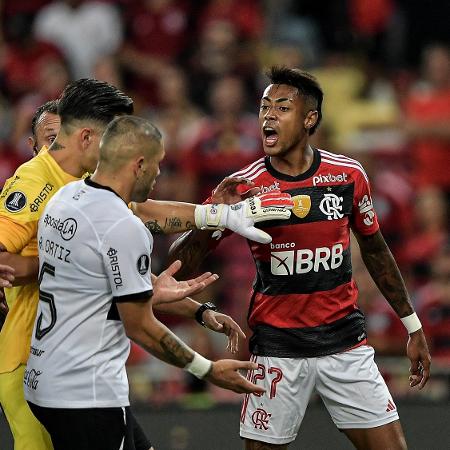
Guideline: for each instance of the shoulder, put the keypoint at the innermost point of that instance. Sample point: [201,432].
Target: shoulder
[252,170]
[342,165]
[28,184]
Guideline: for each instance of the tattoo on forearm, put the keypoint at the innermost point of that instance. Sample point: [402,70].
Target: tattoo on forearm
[56,146]
[154,227]
[176,351]
[172,223]
[382,267]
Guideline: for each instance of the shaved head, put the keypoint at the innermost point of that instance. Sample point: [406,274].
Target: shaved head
[125,138]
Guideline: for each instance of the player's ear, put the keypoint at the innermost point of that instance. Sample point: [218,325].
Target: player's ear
[139,165]
[310,119]
[86,135]
[33,145]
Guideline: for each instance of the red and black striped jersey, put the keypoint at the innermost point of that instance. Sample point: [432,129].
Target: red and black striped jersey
[304,300]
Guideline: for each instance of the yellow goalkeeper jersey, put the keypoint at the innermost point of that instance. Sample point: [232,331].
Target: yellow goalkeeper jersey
[22,202]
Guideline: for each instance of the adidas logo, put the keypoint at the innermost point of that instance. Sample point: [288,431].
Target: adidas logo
[390,406]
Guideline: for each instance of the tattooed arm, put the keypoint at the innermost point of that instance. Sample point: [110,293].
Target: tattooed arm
[142,327]
[165,217]
[384,271]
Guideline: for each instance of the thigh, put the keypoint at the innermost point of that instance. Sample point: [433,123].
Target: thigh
[27,431]
[386,437]
[354,391]
[84,429]
[275,416]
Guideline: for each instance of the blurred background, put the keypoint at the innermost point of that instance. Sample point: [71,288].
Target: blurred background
[196,69]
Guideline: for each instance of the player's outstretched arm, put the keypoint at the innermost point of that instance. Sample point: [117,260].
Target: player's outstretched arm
[384,271]
[174,217]
[166,291]
[142,327]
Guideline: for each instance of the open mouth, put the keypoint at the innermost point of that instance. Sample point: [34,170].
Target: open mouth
[270,136]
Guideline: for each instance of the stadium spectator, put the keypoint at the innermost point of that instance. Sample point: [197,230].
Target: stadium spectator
[433,304]
[157,33]
[23,57]
[85,31]
[427,115]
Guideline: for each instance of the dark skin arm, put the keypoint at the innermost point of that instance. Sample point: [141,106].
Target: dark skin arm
[384,271]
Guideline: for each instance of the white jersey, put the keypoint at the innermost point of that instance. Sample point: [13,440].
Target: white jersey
[93,253]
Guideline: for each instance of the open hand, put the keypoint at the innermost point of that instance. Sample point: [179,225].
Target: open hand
[221,323]
[167,289]
[225,374]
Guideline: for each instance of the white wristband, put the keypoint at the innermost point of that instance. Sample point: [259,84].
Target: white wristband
[411,322]
[199,366]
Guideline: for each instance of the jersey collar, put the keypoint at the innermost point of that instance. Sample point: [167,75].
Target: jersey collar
[95,185]
[303,176]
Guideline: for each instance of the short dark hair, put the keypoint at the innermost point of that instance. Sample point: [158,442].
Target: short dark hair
[306,84]
[89,99]
[50,106]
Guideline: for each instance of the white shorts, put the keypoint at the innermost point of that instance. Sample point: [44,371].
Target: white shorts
[349,383]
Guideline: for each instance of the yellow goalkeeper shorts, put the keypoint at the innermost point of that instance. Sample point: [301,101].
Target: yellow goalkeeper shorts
[28,432]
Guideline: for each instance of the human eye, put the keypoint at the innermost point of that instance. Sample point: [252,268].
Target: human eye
[51,138]
[283,108]
[264,107]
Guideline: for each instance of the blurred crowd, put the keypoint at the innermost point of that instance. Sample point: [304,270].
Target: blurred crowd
[196,69]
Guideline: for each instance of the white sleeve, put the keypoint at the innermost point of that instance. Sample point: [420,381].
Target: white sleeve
[126,251]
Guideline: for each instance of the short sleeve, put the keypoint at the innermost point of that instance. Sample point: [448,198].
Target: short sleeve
[364,218]
[18,212]
[126,251]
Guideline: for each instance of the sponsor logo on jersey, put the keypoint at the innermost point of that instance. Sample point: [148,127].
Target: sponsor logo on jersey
[302,205]
[34,206]
[36,351]
[79,194]
[143,263]
[365,206]
[30,378]
[8,187]
[67,227]
[331,206]
[273,187]
[330,178]
[15,201]
[115,268]
[292,262]
[260,419]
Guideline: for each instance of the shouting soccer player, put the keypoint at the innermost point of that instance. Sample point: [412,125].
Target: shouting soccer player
[308,333]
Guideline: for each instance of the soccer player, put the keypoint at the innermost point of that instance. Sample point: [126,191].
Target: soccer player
[308,333]
[85,108]
[95,290]
[21,204]
[45,126]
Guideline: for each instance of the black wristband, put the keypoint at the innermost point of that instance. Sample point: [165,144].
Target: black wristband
[202,309]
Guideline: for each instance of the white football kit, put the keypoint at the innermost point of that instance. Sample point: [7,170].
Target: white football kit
[93,252]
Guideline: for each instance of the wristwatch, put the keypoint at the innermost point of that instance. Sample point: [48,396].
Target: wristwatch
[202,309]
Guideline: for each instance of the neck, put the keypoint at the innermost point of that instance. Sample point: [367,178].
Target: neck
[63,152]
[294,162]
[116,182]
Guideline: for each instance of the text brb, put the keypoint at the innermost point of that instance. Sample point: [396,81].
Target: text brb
[302,261]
